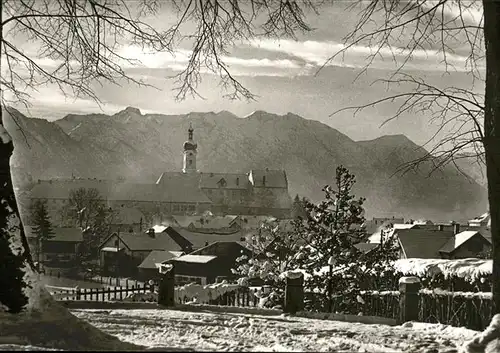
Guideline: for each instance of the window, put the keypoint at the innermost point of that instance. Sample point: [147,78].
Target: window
[190,162]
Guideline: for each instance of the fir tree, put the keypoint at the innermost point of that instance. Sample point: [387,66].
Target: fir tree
[98,229]
[42,227]
[334,227]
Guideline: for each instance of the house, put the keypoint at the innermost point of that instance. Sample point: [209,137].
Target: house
[62,250]
[483,221]
[376,223]
[441,243]
[199,240]
[122,253]
[148,269]
[465,244]
[209,263]
[365,248]
[209,224]
[253,222]
[375,237]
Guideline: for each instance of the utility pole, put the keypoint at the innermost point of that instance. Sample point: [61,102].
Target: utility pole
[331,260]
[118,254]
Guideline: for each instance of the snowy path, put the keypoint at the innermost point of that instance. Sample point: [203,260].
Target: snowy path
[241,332]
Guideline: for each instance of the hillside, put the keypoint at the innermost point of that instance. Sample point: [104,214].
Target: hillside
[141,147]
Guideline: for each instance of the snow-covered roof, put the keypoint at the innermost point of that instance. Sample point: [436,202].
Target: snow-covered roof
[158,228]
[480,220]
[375,237]
[460,239]
[110,249]
[157,257]
[481,217]
[200,259]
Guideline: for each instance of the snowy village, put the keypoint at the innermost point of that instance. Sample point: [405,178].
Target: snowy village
[250,176]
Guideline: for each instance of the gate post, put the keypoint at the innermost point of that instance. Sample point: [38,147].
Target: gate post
[408,299]
[294,292]
[166,290]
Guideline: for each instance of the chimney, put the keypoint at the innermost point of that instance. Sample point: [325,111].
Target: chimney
[151,232]
[456,228]
[440,227]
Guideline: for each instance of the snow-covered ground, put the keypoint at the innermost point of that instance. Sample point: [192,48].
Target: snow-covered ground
[208,331]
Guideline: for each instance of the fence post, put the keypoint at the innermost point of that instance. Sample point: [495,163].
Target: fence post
[294,292]
[166,292]
[408,299]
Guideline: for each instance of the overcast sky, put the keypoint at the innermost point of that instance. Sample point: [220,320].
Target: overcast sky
[283,75]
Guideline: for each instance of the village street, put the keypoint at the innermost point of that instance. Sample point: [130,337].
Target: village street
[181,330]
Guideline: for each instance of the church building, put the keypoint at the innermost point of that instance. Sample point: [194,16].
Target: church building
[258,192]
[185,192]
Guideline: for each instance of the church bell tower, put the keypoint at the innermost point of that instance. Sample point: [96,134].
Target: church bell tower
[189,163]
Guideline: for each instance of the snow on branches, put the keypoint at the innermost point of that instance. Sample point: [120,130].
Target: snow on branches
[276,248]
[321,246]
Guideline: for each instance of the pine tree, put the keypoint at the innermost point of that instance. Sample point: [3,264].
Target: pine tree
[99,228]
[42,227]
[334,227]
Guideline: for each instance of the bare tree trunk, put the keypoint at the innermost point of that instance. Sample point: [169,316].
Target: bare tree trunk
[12,261]
[492,132]
[11,233]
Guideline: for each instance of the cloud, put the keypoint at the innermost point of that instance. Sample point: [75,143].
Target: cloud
[358,56]
[178,61]
[49,102]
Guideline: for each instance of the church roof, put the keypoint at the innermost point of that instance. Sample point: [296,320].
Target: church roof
[172,190]
[273,178]
[225,180]
[176,189]
[60,188]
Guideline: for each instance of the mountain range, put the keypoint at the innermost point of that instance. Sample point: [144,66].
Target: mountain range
[140,147]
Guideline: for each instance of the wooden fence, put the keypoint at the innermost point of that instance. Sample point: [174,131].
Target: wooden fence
[368,303]
[471,310]
[241,297]
[97,294]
